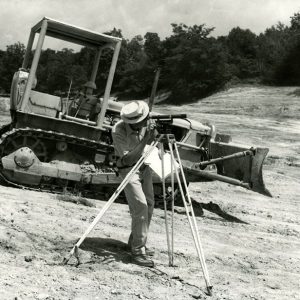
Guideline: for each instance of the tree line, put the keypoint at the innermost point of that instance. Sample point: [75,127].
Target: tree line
[193,64]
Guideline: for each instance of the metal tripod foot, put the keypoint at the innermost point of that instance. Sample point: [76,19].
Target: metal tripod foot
[74,252]
[209,290]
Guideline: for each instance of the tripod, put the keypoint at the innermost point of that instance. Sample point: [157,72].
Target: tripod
[176,167]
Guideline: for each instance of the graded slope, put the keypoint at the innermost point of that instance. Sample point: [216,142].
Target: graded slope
[256,259]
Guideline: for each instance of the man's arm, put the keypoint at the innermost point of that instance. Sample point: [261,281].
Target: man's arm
[131,157]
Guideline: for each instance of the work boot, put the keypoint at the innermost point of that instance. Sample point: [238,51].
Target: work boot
[142,260]
[148,251]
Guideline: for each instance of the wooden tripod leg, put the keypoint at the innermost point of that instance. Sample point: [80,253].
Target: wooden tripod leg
[192,223]
[165,202]
[172,205]
[189,203]
[172,208]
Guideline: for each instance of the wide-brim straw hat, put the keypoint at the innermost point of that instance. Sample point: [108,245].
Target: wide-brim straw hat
[134,112]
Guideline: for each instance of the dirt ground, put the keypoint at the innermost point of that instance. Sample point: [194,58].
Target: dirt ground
[257,258]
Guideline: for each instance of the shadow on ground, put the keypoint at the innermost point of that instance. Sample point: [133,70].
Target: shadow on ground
[211,207]
[108,249]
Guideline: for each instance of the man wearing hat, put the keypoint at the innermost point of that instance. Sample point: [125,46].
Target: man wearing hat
[130,136]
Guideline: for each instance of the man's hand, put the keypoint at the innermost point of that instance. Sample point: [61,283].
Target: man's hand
[151,132]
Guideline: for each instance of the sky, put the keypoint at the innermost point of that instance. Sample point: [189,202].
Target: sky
[137,17]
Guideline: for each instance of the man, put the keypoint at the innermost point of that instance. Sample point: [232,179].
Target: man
[130,136]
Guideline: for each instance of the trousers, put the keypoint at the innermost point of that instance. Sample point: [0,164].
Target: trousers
[140,197]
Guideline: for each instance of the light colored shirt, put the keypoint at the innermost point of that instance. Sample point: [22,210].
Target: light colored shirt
[125,138]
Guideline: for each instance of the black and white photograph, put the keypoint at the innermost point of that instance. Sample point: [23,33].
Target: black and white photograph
[149,150]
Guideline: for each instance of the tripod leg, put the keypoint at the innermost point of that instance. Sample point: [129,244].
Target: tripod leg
[189,202]
[165,202]
[172,208]
[111,200]
[192,224]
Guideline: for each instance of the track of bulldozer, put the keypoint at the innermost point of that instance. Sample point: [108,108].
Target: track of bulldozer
[41,135]
[38,139]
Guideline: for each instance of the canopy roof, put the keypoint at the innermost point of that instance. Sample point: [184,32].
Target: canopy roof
[74,34]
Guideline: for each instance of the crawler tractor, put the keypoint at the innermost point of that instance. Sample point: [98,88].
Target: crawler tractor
[61,144]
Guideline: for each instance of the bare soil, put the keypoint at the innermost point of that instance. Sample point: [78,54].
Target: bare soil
[257,258]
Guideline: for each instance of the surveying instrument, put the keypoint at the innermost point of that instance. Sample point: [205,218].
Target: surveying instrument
[176,167]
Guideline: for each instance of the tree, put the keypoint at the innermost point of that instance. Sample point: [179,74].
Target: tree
[56,70]
[279,53]
[195,64]
[242,51]
[153,48]
[11,61]
[288,71]
[295,22]
[272,46]
[2,90]
[135,79]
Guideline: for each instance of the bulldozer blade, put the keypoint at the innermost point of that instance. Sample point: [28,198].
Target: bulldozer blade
[245,171]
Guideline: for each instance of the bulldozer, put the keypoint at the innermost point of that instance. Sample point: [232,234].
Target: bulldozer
[59,144]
